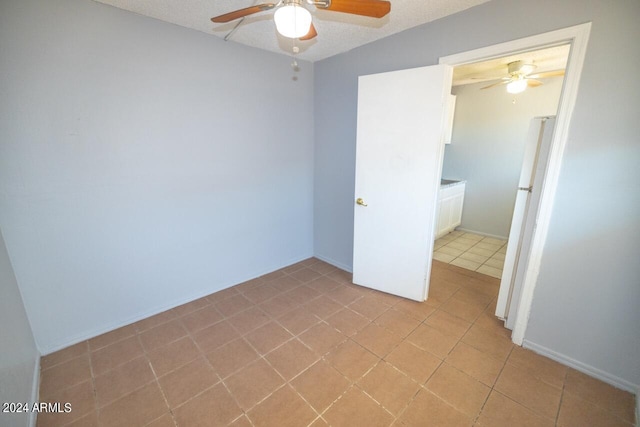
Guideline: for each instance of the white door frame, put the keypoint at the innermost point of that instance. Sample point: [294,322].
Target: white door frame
[578,37]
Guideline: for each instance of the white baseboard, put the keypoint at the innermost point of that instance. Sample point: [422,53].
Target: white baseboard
[156,310]
[495,236]
[334,263]
[584,368]
[35,391]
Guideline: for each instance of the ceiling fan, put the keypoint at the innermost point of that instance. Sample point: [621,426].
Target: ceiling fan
[293,19]
[520,77]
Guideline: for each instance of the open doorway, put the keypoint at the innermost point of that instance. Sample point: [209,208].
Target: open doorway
[489,161]
[577,37]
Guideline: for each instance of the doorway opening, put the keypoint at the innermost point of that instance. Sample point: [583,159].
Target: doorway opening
[491,162]
[576,37]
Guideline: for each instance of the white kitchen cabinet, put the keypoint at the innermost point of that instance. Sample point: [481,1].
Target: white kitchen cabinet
[450,110]
[450,204]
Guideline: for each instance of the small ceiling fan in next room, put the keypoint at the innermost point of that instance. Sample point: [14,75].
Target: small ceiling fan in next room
[293,18]
[520,77]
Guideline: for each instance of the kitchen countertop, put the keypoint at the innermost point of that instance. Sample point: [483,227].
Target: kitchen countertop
[450,182]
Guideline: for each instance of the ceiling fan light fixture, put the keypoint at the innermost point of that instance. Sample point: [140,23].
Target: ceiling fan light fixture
[292,20]
[517,86]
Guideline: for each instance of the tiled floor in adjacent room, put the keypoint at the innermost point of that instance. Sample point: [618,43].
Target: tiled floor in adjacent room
[472,251]
[304,347]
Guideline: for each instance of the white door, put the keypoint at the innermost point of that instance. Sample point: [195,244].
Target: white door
[401,119]
[524,215]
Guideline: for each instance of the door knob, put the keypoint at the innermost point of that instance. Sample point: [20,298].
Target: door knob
[360,201]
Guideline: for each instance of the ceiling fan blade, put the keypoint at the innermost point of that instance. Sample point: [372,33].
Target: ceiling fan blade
[503,82]
[547,74]
[533,82]
[372,8]
[311,34]
[228,17]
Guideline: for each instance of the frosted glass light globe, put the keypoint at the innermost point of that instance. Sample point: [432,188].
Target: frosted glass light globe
[292,21]
[517,86]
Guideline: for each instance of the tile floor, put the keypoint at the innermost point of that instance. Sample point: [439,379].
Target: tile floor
[303,346]
[472,251]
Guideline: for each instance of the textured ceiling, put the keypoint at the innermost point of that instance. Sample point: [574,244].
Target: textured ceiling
[337,32]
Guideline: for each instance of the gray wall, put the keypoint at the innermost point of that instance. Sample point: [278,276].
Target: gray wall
[587,297]
[487,147]
[19,355]
[143,164]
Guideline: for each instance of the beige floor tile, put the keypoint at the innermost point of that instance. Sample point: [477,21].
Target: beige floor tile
[464,263]
[356,409]
[284,408]
[320,385]
[449,250]
[499,256]
[187,381]
[351,359]
[213,407]
[474,257]
[427,410]
[253,383]
[481,251]
[490,271]
[458,389]
[242,421]
[495,263]
[390,387]
[305,274]
[517,384]
[457,244]
[472,236]
[165,420]
[222,295]
[500,411]
[444,257]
